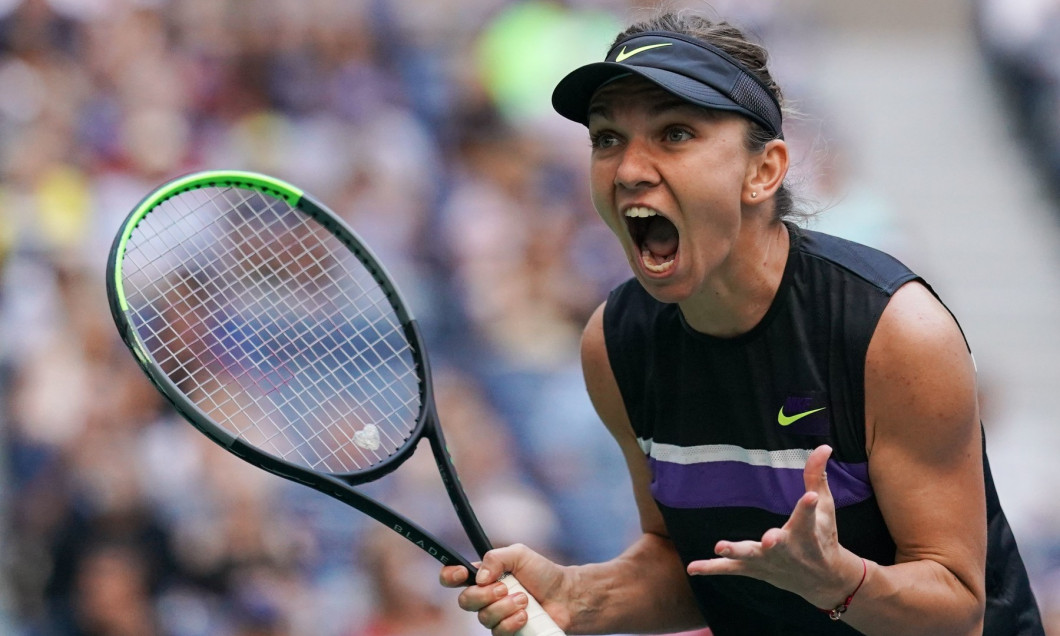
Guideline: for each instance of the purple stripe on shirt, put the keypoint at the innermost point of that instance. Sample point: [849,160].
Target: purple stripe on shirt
[737,484]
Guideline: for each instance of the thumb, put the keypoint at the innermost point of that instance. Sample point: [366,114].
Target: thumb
[497,562]
[814,475]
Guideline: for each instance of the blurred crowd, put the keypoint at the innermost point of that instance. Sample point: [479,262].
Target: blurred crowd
[427,126]
[1021,40]
[119,519]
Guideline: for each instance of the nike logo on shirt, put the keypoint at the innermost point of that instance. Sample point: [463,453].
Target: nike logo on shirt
[788,420]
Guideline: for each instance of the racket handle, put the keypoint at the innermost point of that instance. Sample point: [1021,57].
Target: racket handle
[538,623]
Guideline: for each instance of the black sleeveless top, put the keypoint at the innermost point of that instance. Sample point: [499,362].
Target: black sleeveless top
[727,425]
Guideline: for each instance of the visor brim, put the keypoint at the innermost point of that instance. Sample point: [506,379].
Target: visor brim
[575,91]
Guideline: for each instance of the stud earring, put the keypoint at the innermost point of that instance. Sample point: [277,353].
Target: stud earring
[754,195]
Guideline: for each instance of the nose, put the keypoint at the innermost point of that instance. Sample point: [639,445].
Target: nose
[636,169]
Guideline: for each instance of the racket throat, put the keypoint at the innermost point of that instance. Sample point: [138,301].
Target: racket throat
[461,504]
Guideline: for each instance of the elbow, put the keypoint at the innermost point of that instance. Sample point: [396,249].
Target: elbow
[976,616]
[971,607]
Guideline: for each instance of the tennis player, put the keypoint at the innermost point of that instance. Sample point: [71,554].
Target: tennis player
[798,412]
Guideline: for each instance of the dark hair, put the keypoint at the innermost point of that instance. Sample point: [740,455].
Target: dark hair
[751,55]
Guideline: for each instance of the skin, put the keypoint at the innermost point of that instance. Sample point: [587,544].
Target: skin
[922,433]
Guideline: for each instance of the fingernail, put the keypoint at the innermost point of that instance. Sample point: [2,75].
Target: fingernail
[500,590]
[521,601]
[724,552]
[482,577]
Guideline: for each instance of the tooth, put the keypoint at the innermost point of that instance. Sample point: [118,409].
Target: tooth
[640,212]
[645,257]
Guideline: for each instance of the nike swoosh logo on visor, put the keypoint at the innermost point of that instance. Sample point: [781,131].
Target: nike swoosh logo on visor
[622,55]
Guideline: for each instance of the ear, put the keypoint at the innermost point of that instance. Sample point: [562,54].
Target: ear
[765,172]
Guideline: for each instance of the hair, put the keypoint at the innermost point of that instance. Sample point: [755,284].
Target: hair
[752,56]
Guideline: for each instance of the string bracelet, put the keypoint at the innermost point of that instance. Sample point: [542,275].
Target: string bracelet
[837,612]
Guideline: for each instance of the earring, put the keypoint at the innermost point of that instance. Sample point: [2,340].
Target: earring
[754,195]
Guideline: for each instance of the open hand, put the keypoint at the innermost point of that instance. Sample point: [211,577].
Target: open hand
[803,556]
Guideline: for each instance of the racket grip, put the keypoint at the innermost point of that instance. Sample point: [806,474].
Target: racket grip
[538,623]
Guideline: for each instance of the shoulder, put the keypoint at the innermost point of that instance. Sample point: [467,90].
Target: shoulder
[839,255]
[600,382]
[915,326]
[595,361]
[919,373]
[593,334]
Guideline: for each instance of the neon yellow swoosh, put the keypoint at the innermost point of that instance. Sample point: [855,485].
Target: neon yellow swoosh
[622,55]
[785,420]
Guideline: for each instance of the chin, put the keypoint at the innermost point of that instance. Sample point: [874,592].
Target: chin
[664,290]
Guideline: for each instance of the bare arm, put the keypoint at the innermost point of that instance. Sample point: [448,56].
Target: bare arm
[926,466]
[645,589]
[925,463]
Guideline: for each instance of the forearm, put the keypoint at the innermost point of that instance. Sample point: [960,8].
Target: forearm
[940,602]
[643,590]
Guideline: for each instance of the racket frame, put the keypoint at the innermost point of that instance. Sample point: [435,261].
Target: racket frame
[337,485]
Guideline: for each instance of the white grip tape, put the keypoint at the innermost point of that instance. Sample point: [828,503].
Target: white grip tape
[539,623]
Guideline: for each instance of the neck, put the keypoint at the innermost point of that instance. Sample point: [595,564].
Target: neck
[737,300]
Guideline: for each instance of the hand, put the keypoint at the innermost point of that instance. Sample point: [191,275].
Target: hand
[498,611]
[803,556]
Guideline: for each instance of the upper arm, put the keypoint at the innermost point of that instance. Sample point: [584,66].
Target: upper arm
[923,437]
[607,400]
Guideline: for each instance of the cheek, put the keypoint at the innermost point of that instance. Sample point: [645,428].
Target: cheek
[716,188]
[601,192]
[605,211]
[600,181]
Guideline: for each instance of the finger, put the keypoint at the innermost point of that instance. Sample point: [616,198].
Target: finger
[505,615]
[511,624]
[477,597]
[707,567]
[738,549]
[803,519]
[773,537]
[453,576]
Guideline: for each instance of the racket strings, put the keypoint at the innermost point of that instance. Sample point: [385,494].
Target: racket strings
[250,257]
[273,328]
[295,372]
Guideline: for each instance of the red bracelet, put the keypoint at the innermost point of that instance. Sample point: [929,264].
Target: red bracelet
[837,612]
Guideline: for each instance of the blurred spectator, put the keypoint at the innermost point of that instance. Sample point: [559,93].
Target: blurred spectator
[1021,42]
[426,126]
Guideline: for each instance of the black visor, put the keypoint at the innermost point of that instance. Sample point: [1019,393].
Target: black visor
[692,70]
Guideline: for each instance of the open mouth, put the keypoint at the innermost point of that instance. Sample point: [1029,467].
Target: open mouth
[655,237]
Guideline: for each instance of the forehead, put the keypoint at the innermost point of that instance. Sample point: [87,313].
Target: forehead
[635,91]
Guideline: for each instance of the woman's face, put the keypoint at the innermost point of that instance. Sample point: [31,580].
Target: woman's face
[667,177]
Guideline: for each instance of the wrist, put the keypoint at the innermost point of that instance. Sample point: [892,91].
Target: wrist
[836,611]
[582,587]
[838,581]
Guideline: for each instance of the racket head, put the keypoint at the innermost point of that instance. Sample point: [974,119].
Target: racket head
[270,326]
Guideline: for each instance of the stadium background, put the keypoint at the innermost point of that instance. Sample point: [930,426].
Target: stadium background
[928,129]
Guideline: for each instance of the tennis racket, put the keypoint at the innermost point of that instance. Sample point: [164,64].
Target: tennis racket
[273,329]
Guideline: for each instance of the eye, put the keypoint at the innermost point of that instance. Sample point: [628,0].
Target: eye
[676,134]
[603,139]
